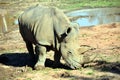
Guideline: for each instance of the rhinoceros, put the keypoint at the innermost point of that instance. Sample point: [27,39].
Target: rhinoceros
[48,28]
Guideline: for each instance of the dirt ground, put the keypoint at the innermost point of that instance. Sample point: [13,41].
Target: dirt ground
[100,43]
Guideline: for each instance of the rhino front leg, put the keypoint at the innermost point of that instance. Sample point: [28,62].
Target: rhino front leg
[41,56]
[57,57]
[29,47]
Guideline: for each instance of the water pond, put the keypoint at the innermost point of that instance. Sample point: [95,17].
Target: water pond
[96,16]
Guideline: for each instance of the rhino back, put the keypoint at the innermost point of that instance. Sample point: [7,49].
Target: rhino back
[37,26]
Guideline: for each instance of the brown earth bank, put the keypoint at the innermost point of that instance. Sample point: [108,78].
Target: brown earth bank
[101,44]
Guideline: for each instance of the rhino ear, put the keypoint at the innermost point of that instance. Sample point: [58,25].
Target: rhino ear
[66,33]
[68,30]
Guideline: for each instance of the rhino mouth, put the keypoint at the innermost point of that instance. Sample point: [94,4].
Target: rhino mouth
[73,64]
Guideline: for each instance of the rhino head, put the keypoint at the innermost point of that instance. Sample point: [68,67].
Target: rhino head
[69,46]
[67,34]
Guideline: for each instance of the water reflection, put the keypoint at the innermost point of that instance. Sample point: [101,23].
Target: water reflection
[90,17]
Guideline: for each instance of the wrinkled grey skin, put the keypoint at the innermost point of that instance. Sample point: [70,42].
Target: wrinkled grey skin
[49,29]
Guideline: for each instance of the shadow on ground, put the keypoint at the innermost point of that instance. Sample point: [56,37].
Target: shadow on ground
[23,59]
[113,67]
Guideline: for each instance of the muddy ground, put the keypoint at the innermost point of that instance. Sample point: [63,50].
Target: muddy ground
[101,43]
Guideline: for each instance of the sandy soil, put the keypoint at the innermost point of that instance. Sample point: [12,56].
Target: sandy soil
[101,43]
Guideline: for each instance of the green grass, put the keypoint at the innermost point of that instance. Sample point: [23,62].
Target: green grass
[93,4]
[78,4]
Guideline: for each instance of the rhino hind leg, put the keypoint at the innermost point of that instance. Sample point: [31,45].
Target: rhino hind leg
[41,57]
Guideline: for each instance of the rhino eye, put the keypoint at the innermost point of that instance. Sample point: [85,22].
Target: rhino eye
[69,52]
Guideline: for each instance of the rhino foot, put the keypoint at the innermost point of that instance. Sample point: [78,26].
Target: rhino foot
[39,67]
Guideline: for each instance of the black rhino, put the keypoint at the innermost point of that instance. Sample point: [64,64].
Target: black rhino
[48,28]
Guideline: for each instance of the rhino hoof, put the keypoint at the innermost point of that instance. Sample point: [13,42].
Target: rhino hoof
[39,67]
